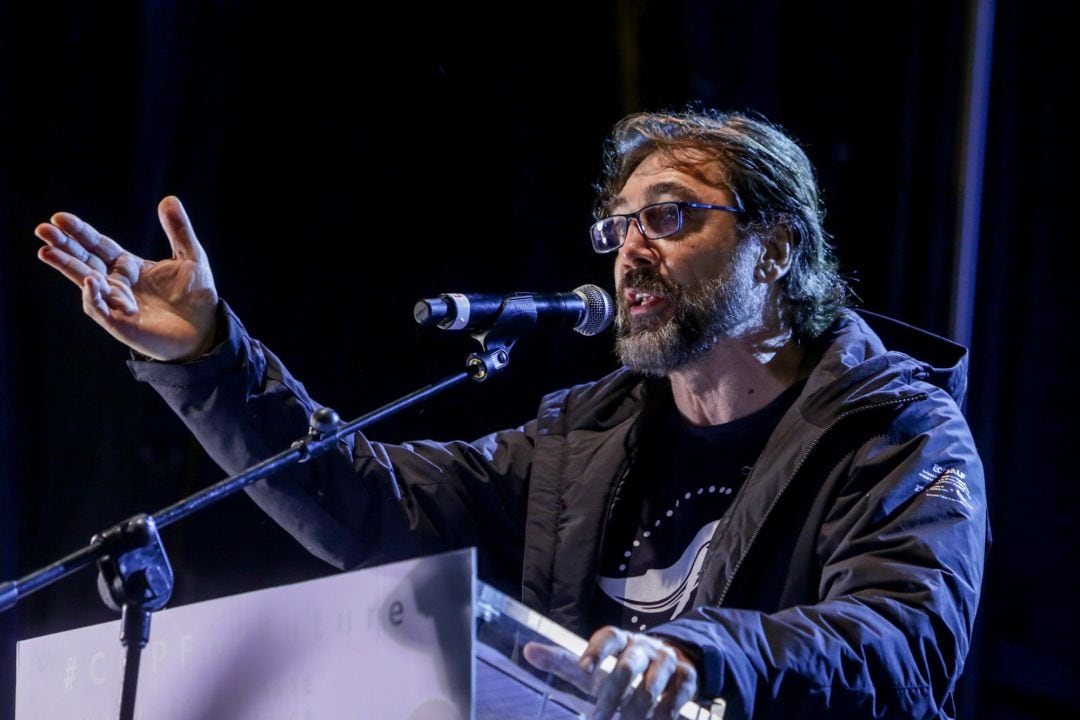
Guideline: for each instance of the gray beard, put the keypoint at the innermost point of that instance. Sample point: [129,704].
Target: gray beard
[705,312]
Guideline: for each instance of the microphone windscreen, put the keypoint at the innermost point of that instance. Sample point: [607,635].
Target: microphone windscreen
[599,310]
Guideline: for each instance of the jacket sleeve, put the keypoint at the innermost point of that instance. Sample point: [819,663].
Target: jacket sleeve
[243,406]
[901,550]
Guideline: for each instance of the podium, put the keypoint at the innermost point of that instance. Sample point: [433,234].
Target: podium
[420,639]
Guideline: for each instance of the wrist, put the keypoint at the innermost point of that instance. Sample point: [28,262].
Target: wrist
[685,652]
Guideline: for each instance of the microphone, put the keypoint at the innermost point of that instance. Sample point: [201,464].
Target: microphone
[587,310]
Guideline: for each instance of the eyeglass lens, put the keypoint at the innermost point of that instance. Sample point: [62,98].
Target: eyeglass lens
[657,221]
[660,220]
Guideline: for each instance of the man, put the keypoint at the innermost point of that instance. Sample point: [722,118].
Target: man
[771,503]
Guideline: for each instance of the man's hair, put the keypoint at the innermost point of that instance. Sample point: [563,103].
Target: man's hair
[773,182]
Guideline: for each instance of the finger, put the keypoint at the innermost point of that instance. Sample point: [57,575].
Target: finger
[70,267]
[93,303]
[126,268]
[633,661]
[560,662]
[98,245]
[181,234]
[606,641]
[652,685]
[120,297]
[54,237]
[76,270]
[639,705]
[681,689]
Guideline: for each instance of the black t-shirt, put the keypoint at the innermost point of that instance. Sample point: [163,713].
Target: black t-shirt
[679,487]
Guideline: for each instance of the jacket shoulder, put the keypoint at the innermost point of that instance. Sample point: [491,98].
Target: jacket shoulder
[597,405]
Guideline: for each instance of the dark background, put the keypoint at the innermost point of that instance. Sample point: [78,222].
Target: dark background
[339,165]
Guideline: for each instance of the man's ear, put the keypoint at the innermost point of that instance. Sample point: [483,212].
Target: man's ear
[774,256]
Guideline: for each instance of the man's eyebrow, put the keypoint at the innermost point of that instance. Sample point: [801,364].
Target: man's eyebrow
[658,192]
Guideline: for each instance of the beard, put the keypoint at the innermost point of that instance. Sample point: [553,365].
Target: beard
[704,312]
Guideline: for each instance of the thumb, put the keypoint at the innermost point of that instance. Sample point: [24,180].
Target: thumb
[177,226]
[540,656]
[559,661]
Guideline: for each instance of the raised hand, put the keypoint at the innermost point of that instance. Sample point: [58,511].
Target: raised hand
[667,678]
[165,309]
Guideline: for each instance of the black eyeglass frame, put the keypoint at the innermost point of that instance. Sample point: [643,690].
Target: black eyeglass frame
[681,206]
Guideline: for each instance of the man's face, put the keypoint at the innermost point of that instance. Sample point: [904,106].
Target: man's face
[679,295]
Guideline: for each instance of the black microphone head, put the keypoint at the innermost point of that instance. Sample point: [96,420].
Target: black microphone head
[599,310]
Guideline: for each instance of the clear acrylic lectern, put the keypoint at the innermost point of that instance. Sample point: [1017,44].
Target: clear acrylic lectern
[419,639]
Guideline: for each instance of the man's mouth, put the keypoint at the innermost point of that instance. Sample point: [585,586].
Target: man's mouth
[645,301]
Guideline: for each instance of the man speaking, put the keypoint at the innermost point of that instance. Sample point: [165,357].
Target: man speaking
[776,501]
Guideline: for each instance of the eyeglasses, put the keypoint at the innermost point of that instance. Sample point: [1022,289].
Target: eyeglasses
[653,222]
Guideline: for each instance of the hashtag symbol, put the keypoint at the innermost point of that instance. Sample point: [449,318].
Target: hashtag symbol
[69,674]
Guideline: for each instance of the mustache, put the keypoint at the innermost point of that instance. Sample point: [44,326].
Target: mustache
[648,280]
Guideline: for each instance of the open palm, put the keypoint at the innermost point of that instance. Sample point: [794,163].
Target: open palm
[163,309]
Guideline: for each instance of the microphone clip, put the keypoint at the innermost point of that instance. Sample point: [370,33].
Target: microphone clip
[481,366]
[496,343]
[516,317]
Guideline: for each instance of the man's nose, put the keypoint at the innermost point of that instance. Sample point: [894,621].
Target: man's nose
[638,250]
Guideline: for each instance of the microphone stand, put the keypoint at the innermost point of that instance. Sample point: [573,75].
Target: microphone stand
[134,574]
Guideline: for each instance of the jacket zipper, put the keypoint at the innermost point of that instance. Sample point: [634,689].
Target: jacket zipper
[899,402]
[610,511]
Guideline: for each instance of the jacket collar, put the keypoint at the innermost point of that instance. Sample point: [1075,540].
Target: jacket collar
[869,358]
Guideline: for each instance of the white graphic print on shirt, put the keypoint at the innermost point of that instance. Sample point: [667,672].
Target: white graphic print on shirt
[669,588]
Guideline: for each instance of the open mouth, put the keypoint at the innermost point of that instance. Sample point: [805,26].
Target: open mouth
[645,301]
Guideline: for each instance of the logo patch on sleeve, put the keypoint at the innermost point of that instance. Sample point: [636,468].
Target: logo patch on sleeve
[946,483]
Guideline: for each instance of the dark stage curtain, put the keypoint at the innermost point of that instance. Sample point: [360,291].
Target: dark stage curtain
[1022,398]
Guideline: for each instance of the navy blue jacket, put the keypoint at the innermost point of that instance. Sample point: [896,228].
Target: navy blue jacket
[842,582]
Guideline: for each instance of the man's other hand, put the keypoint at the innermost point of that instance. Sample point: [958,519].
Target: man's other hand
[667,677]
